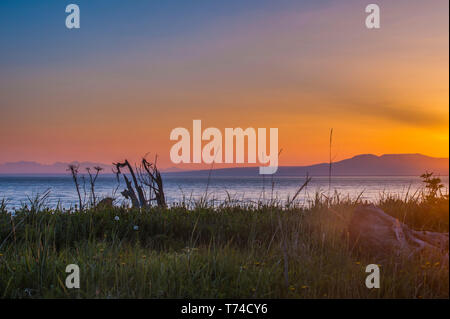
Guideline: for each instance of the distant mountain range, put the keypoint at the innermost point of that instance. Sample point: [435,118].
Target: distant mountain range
[56,168]
[360,165]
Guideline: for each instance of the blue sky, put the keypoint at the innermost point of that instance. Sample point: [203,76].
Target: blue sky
[137,69]
[34,33]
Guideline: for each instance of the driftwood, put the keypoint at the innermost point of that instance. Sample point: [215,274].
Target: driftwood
[145,175]
[386,237]
[150,176]
[130,193]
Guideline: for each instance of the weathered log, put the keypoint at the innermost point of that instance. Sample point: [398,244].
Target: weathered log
[106,202]
[147,174]
[386,237]
[139,199]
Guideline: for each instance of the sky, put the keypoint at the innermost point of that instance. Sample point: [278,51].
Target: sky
[135,70]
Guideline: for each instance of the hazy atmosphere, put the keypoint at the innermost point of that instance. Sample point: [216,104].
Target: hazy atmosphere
[115,89]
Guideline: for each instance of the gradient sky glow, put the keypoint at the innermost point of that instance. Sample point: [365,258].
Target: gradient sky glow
[137,69]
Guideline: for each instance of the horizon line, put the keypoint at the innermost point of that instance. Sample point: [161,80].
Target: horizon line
[255,164]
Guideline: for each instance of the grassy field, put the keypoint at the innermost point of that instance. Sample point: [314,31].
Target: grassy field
[230,251]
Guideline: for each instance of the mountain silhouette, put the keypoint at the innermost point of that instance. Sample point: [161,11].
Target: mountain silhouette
[56,168]
[360,165]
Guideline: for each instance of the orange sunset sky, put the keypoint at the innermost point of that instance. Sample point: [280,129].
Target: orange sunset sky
[115,88]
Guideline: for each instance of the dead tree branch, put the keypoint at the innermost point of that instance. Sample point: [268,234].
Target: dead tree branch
[146,174]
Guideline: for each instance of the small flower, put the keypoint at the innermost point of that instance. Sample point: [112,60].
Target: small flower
[116,218]
[304,287]
[135,227]
[358,263]
[436,264]
[291,288]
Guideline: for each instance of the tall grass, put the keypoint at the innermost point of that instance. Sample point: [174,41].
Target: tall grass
[231,250]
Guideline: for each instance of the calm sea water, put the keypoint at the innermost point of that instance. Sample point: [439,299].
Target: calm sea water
[17,190]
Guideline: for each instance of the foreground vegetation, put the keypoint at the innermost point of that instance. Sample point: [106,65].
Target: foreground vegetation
[230,251]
